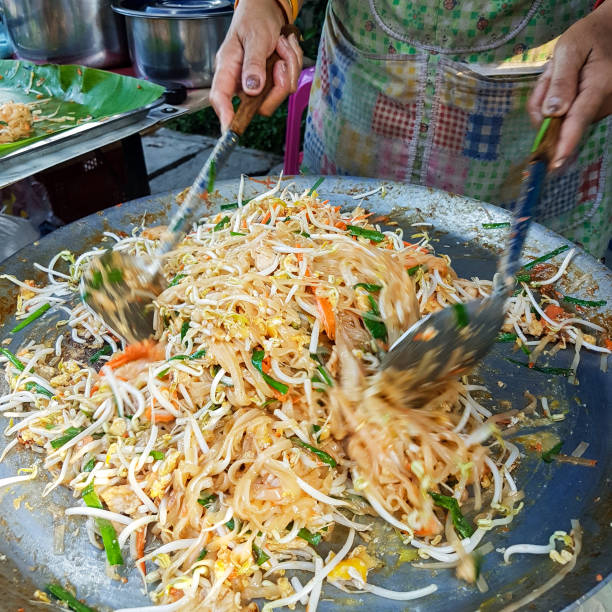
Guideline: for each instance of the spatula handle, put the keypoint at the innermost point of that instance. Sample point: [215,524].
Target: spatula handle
[249,105]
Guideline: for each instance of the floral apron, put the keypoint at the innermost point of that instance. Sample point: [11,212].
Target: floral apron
[434,93]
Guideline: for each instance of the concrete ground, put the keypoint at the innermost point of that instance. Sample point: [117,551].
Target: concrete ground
[174,159]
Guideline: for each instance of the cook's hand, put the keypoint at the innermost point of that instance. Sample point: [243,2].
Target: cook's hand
[578,80]
[253,36]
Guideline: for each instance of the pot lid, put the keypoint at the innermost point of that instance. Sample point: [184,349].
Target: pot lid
[173,8]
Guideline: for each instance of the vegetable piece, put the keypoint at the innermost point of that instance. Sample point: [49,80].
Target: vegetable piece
[39,312]
[160,417]
[197,355]
[140,350]
[96,280]
[315,430]
[202,554]
[107,531]
[260,556]
[552,311]
[495,225]
[237,234]
[184,329]
[523,278]
[545,257]
[32,386]
[322,455]
[368,287]
[588,303]
[222,224]
[140,546]
[328,319]
[89,466]
[463,527]
[13,359]
[312,538]
[114,275]
[315,186]
[212,175]
[374,325]
[542,369]
[105,350]
[176,280]
[322,370]
[71,601]
[373,235]
[231,524]
[549,455]
[506,337]
[412,271]
[208,500]
[257,360]
[157,455]
[68,434]
[461,316]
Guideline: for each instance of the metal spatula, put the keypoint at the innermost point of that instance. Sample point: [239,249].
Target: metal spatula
[121,288]
[450,342]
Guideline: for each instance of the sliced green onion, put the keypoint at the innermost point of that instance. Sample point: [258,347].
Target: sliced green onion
[315,186]
[368,287]
[313,539]
[412,271]
[197,355]
[315,430]
[68,598]
[549,455]
[229,206]
[374,325]
[208,500]
[163,373]
[260,556]
[463,527]
[546,257]
[13,359]
[89,465]
[257,360]
[372,235]
[523,278]
[114,275]
[322,455]
[495,225]
[222,224]
[176,280]
[322,370]
[542,369]
[506,337]
[461,315]
[525,349]
[32,386]
[69,433]
[589,303]
[105,350]
[212,175]
[237,234]
[39,312]
[157,455]
[305,234]
[231,524]
[184,329]
[202,554]
[107,531]
[96,280]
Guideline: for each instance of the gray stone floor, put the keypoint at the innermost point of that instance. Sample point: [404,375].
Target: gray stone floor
[174,159]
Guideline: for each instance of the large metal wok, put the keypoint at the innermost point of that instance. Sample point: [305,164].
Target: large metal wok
[555,493]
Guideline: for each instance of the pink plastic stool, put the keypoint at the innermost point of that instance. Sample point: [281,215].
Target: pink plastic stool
[298,103]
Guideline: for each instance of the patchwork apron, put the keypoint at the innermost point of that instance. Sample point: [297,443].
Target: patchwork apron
[434,93]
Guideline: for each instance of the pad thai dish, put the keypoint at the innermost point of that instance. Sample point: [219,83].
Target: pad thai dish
[15,121]
[221,456]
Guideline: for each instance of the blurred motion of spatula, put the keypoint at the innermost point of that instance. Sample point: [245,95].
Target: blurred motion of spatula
[450,342]
[121,288]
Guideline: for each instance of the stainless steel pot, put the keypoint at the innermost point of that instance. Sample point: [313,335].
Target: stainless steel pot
[67,31]
[175,40]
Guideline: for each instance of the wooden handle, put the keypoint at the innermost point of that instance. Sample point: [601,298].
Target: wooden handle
[249,105]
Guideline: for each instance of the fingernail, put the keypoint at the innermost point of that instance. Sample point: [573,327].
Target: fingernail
[252,82]
[552,105]
[557,165]
[283,66]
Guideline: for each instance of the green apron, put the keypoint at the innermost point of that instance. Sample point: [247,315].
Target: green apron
[434,93]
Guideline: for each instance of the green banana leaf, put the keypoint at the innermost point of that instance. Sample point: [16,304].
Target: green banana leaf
[71,95]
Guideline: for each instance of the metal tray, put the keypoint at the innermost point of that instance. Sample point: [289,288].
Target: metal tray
[555,493]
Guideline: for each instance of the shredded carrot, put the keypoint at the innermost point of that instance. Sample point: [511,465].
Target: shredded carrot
[327,316]
[554,312]
[160,417]
[266,217]
[265,364]
[608,344]
[340,225]
[432,527]
[141,350]
[140,546]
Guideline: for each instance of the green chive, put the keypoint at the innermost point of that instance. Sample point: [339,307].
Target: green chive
[546,257]
[412,271]
[589,303]
[231,524]
[222,224]
[540,135]
[312,538]
[157,455]
[525,349]
[13,359]
[39,312]
[178,357]
[68,598]
[372,235]
[315,186]
[176,280]
[197,355]
[260,556]
[212,174]
[523,278]
[463,527]
[208,500]
[163,373]
[229,206]
[368,287]
[506,337]
[202,554]
[114,275]
[107,531]
[237,234]
[495,225]
[461,315]
[184,329]
[257,360]
[322,455]
[89,465]
[96,280]
[322,370]
[32,386]
[315,430]
[549,455]
[371,320]
[69,433]
[105,350]
[543,370]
